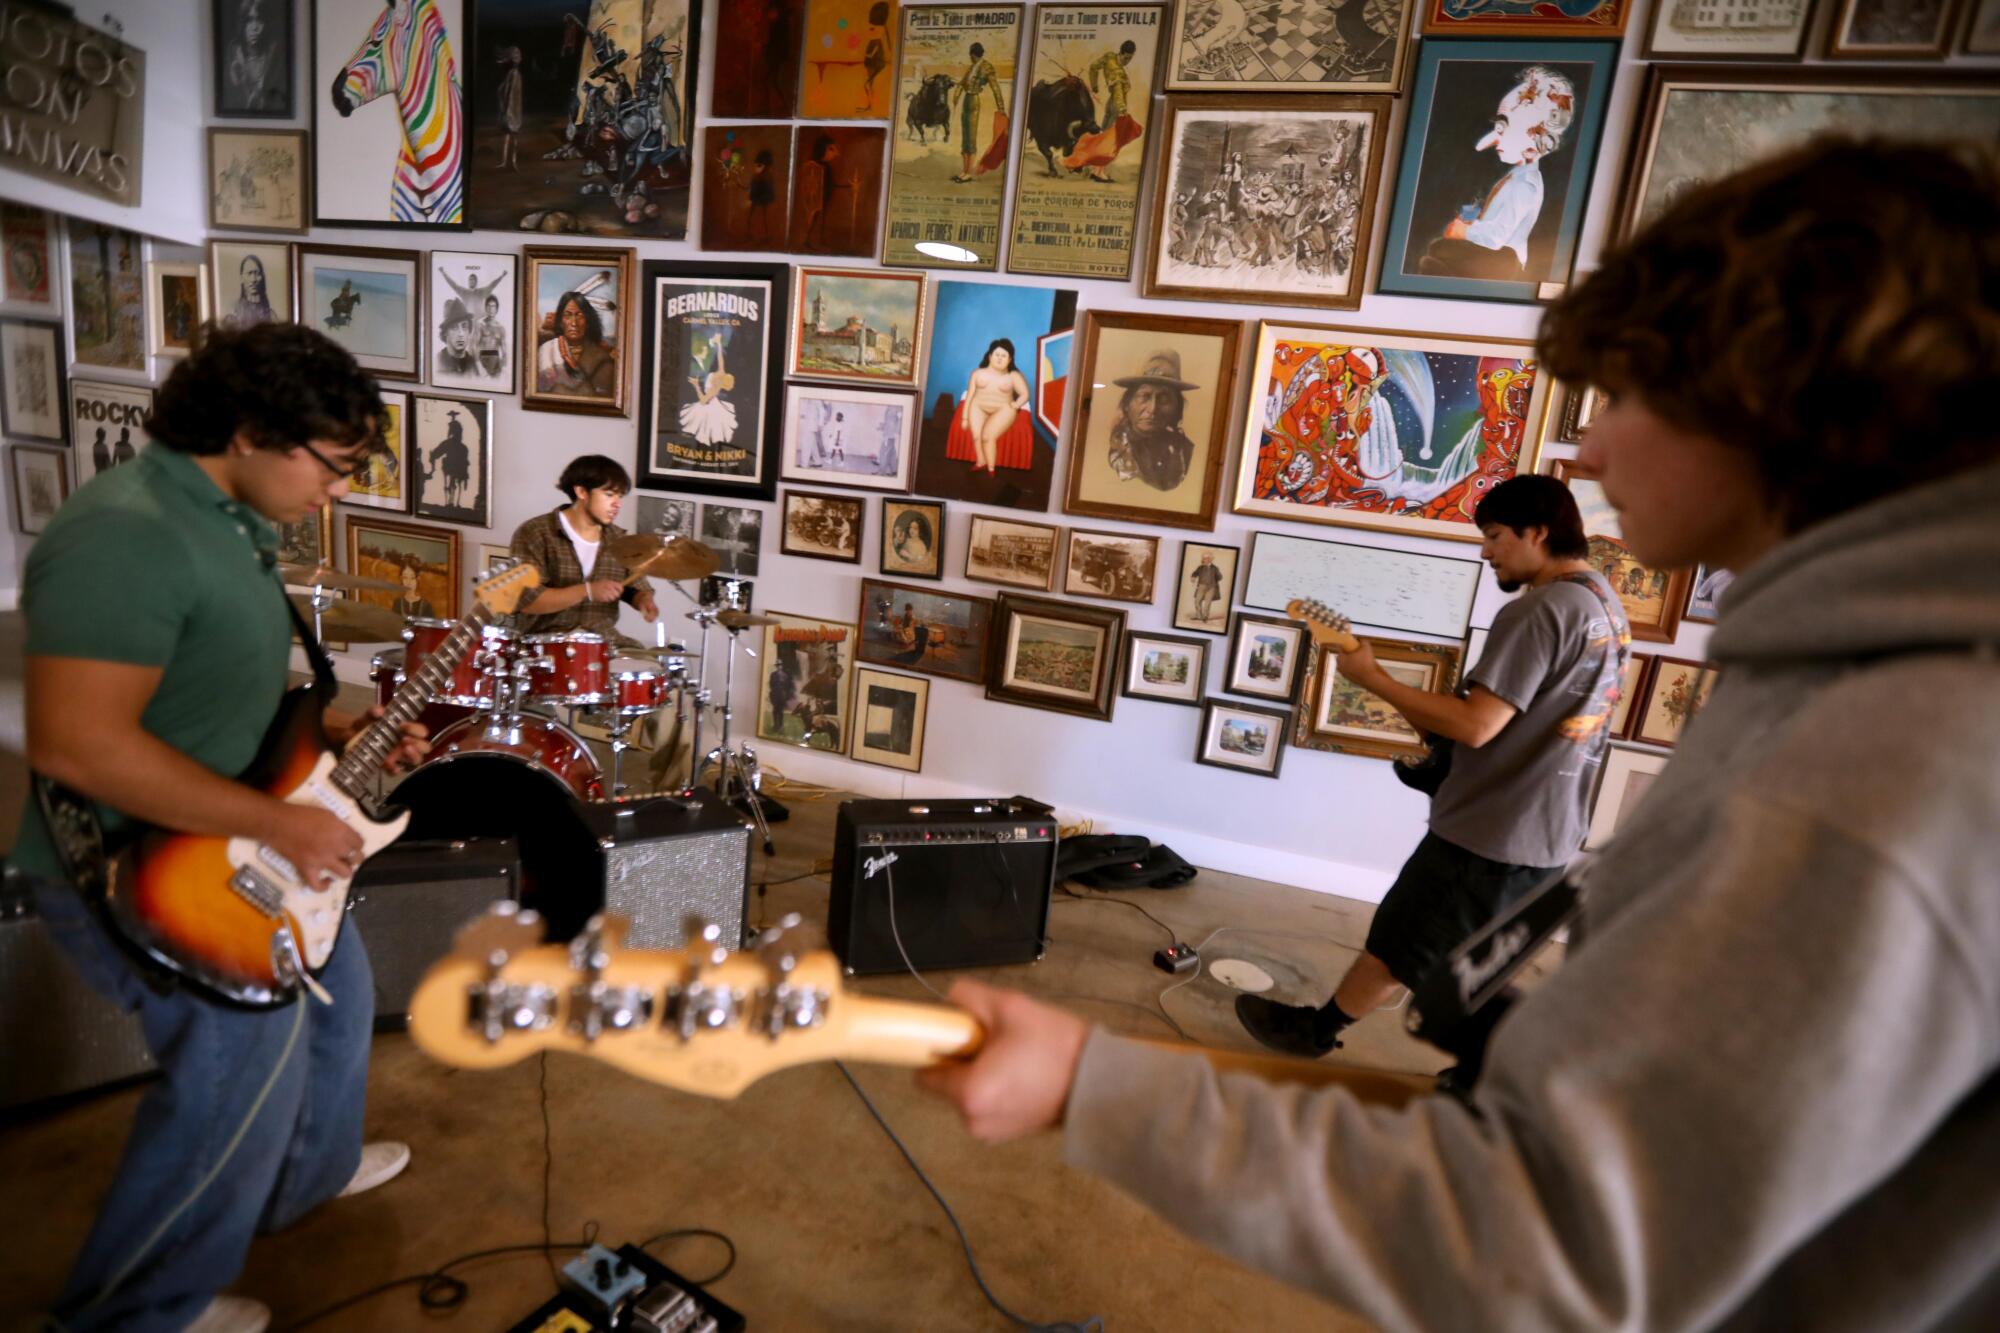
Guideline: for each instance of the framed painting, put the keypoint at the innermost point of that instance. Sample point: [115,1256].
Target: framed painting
[1697,124]
[1010,552]
[385,77]
[28,245]
[1242,737]
[822,527]
[250,283]
[1765,30]
[912,538]
[451,458]
[368,300]
[736,534]
[255,59]
[1893,29]
[1167,668]
[1167,428]
[837,173]
[956,72]
[582,115]
[1982,29]
[386,484]
[309,541]
[849,49]
[860,326]
[839,436]
[576,322]
[809,666]
[107,425]
[1267,199]
[1266,658]
[755,74]
[710,387]
[1532,19]
[746,182]
[40,479]
[1653,598]
[257,180]
[1580,406]
[665,516]
[1627,775]
[984,437]
[1059,656]
[1342,717]
[176,308]
[422,561]
[1398,432]
[491,557]
[1631,682]
[1114,566]
[1709,585]
[1675,691]
[939,633]
[1205,586]
[891,711]
[726,590]
[1370,585]
[1475,645]
[473,306]
[1076,194]
[1292,46]
[31,379]
[1498,156]
[107,299]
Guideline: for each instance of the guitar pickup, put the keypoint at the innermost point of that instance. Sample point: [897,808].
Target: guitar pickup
[283,866]
[258,891]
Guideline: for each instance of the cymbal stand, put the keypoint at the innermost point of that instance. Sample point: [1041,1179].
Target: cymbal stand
[737,767]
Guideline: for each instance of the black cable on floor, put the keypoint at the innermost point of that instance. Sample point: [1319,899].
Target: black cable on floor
[1071,895]
[438,1290]
[728,1265]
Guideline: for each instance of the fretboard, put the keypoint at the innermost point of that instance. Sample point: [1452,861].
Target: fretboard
[355,772]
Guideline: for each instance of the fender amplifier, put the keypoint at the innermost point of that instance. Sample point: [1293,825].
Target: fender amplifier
[959,883]
[409,900]
[657,860]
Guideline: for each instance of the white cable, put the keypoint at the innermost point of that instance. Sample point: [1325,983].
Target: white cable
[889,874]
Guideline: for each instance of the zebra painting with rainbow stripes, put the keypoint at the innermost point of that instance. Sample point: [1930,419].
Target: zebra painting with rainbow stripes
[407,53]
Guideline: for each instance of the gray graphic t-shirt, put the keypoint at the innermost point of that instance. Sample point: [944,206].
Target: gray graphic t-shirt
[1523,797]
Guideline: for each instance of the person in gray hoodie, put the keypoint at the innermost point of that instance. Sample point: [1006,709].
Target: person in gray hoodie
[1760,1091]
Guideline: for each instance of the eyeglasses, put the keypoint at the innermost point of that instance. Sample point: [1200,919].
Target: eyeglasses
[350,472]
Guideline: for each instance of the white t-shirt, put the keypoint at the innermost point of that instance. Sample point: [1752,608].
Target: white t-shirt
[586,552]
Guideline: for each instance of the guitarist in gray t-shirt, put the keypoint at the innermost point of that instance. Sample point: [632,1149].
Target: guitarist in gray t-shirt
[1528,735]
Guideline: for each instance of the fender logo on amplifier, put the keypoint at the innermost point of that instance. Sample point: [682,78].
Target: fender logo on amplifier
[875,863]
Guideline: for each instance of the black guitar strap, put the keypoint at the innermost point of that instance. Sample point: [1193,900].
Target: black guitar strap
[322,665]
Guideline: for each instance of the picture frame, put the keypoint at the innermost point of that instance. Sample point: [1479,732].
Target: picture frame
[755,75]
[309,541]
[1704,594]
[1266,658]
[736,534]
[258,181]
[1241,737]
[840,436]
[33,393]
[1111,566]
[727,590]
[1769,32]
[30,262]
[39,477]
[177,308]
[1479,110]
[1346,719]
[386,483]
[850,46]
[490,556]
[364,118]
[912,538]
[1281,47]
[107,424]
[256,59]
[891,716]
[665,516]
[837,176]
[1464,391]
[450,441]
[847,326]
[107,299]
[1631,684]
[367,299]
[1653,599]
[931,630]
[1083,221]
[1057,656]
[1179,364]
[250,283]
[472,308]
[1166,668]
[710,376]
[1410,591]
[1202,202]
[746,187]
[1475,646]
[578,364]
[384,549]
[1202,604]
[1012,552]
[1874,30]
[817,526]
[946,197]
[1627,775]
[1982,29]
[1521,18]
[804,696]
[1676,689]
[1580,405]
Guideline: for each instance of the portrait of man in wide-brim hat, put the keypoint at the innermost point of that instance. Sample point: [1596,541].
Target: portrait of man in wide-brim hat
[1147,442]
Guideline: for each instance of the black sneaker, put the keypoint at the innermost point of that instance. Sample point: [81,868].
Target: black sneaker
[1291,1028]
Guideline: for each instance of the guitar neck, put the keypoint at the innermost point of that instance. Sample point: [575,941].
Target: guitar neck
[364,757]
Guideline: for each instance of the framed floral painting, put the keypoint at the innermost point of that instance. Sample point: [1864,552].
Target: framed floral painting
[1675,692]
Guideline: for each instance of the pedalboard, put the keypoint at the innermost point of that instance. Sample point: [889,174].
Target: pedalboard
[628,1291]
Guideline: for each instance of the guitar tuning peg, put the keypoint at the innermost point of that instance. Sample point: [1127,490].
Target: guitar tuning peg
[600,937]
[704,938]
[504,930]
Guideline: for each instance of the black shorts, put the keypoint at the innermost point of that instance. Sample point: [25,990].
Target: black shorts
[1442,894]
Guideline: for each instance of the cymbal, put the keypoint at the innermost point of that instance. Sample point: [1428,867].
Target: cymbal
[669,558]
[326,576]
[355,622]
[743,619]
[628,646]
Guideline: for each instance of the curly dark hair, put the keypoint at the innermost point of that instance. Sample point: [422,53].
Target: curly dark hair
[280,385]
[1834,313]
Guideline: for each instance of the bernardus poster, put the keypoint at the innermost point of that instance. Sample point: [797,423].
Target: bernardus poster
[709,377]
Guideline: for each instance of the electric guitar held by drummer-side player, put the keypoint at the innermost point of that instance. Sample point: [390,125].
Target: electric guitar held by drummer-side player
[231,915]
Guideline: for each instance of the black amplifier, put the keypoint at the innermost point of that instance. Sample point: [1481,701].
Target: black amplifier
[409,900]
[958,883]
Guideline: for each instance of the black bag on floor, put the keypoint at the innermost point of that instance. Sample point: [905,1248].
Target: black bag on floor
[1155,866]
[1091,851]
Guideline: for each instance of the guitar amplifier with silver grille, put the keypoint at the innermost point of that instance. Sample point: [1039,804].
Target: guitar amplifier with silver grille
[409,900]
[659,861]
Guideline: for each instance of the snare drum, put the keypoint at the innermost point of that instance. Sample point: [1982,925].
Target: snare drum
[639,687]
[568,668]
[472,680]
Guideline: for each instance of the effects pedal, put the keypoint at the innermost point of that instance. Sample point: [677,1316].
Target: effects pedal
[1176,958]
[629,1291]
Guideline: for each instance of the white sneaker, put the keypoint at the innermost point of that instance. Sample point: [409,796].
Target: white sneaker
[232,1314]
[380,1163]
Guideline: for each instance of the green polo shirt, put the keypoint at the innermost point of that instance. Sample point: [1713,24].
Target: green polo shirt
[152,565]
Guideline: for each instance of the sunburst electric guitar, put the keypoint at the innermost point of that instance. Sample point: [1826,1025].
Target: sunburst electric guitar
[231,915]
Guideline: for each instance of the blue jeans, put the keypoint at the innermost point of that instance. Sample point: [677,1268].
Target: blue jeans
[256,1120]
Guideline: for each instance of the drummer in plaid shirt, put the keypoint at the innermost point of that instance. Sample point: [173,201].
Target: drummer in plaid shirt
[566,542]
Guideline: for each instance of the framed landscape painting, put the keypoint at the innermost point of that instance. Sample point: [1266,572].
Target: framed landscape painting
[710,378]
[1653,599]
[1343,717]
[368,300]
[936,632]
[1294,46]
[1059,656]
[1244,737]
[107,298]
[422,561]
[862,326]
[1167,668]
[1266,658]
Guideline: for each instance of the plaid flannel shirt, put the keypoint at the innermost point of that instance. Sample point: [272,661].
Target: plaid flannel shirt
[543,543]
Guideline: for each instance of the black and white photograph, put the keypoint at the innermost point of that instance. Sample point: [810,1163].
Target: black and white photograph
[848,437]
[107,423]
[255,59]
[250,283]
[912,534]
[735,532]
[451,457]
[823,527]
[1116,566]
[1007,551]
[665,516]
[474,301]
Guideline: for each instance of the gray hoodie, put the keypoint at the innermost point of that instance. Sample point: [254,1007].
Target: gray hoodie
[1760,1092]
